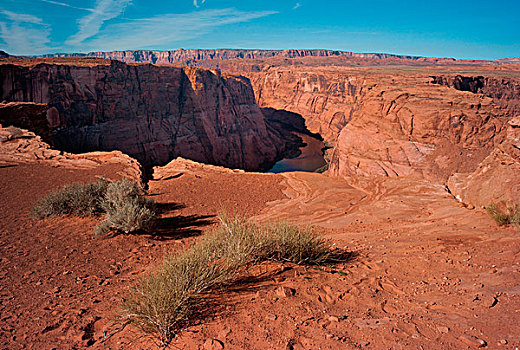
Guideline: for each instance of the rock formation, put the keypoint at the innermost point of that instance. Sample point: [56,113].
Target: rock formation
[151,113]
[383,123]
[497,178]
[181,55]
[27,115]
[402,122]
[20,146]
[213,56]
[504,91]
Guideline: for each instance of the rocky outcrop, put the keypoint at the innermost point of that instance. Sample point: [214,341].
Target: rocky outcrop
[387,122]
[152,113]
[27,115]
[497,178]
[20,146]
[504,91]
[398,130]
[181,55]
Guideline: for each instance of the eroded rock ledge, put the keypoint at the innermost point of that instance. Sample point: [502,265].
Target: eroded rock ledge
[152,113]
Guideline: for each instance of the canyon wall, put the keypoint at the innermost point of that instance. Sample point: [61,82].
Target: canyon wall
[181,55]
[504,91]
[391,122]
[151,113]
[497,178]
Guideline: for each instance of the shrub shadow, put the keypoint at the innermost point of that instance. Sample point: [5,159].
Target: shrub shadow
[169,226]
[221,300]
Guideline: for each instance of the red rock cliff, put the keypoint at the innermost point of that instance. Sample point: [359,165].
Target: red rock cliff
[391,121]
[181,55]
[149,112]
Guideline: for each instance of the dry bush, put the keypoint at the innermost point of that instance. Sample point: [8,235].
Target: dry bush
[505,213]
[123,202]
[165,299]
[126,208]
[74,199]
[285,242]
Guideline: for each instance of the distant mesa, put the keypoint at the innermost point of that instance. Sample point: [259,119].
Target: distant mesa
[200,57]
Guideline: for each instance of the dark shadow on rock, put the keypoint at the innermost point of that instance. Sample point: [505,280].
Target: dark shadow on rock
[8,166]
[163,208]
[219,301]
[177,227]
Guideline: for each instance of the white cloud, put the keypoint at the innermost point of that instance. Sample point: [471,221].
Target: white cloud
[21,17]
[296,6]
[166,29]
[67,5]
[24,34]
[91,24]
[196,3]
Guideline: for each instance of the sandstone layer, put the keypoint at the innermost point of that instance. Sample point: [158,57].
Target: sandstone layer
[211,57]
[181,55]
[152,113]
[387,123]
[497,178]
[19,146]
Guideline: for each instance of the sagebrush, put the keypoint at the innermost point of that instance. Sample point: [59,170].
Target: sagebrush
[122,202]
[126,209]
[164,300]
[505,213]
[74,199]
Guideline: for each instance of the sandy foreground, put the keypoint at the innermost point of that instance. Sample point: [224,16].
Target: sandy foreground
[425,272]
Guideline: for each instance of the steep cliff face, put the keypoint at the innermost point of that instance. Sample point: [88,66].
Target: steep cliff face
[27,115]
[497,178]
[151,113]
[388,122]
[326,100]
[181,55]
[504,91]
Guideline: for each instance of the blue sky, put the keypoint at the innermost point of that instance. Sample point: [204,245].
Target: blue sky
[461,29]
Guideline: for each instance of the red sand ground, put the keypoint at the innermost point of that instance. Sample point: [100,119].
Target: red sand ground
[427,272]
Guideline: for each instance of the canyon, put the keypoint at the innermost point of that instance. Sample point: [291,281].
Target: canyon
[152,113]
[436,123]
[415,150]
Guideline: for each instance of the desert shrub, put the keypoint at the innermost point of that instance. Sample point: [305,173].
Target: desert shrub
[285,242]
[126,208]
[123,203]
[505,213]
[237,240]
[74,199]
[165,298]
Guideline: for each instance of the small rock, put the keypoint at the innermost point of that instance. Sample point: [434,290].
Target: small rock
[213,344]
[271,317]
[284,292]
[502,342]
[472,341]
[333,319]
[443,329]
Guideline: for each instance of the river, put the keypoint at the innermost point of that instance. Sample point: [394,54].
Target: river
[310,160]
